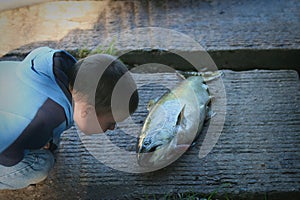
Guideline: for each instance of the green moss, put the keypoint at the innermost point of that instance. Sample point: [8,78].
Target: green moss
[84,52]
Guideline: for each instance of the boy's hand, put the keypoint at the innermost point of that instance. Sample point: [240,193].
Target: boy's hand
[47,146]
[50,146]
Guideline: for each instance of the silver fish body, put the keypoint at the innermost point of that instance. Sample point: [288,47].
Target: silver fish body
[173,123]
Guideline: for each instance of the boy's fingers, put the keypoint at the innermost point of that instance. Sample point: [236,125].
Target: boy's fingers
[47,146]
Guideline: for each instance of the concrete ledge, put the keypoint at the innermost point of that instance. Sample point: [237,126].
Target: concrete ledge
[237,60]
[239,35]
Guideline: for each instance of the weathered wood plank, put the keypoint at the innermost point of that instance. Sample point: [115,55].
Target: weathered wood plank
[258,151]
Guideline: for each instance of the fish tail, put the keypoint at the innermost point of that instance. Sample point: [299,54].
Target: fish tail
[207,76]
[186,74]
[210,76]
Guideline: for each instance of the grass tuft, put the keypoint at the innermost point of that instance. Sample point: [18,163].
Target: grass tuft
[84,52]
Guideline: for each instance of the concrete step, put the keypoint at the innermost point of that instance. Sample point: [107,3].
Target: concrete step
[239,35]
[257,155]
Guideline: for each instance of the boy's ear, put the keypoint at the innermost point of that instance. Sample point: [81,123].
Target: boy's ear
[86,109]
[83,113]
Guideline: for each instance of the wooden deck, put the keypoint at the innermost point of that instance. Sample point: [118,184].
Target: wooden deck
[257,153]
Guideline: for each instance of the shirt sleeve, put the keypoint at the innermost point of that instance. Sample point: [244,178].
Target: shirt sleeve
[36,135]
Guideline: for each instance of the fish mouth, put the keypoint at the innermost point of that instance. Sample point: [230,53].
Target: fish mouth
[160,155]
[145,153]
[143,159]
[150,148]
[153,148]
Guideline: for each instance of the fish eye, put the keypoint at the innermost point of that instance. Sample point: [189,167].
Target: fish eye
[147,142]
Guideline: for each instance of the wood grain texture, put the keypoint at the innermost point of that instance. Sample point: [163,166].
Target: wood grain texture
[257,153]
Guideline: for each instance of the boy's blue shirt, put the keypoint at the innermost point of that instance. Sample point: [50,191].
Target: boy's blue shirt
[28,90]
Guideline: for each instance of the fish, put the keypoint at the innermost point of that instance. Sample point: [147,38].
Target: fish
[173,122]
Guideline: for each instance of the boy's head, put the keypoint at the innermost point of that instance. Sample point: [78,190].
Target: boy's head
[103,93]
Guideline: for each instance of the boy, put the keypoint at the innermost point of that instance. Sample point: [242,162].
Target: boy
[40,98]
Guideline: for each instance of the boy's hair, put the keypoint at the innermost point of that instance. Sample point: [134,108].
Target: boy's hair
[95,77]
